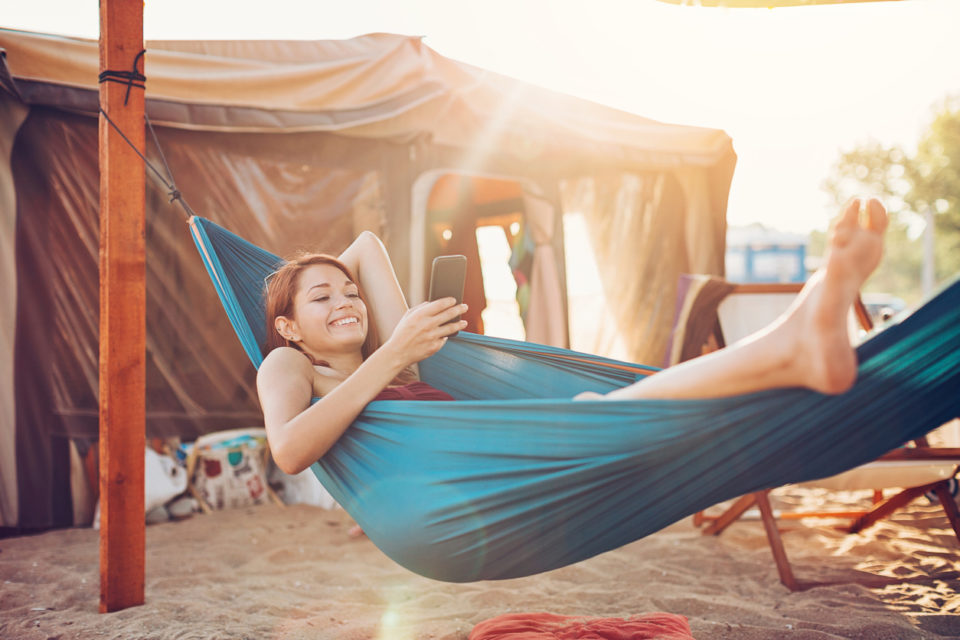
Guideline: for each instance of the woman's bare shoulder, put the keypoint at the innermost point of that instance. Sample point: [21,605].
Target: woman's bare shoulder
[283,362]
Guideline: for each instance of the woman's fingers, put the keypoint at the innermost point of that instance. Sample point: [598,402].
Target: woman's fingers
[433,307]
[448,321]
[441,306]
[439,311]
[450,328]
[449,314]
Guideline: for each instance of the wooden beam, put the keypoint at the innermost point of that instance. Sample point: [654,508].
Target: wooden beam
[730,516]
[767,287]
[887,507]
[122,313]
[776,543]
[942,490]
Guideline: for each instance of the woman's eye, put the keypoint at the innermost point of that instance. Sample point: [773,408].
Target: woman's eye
[321,299]
[353,295]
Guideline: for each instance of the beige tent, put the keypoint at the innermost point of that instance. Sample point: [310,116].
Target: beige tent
[301,145]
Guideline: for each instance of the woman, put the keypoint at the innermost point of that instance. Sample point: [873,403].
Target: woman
[324,344]
[325,339]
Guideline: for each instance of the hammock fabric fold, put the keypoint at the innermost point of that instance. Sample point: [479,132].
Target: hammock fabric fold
[515,478]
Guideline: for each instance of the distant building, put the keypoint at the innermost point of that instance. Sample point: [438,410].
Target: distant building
[758,254]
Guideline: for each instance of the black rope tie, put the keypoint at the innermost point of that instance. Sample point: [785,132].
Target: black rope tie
[131,78]
[170,186]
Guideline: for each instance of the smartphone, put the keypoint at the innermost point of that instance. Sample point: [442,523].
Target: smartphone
[447,277]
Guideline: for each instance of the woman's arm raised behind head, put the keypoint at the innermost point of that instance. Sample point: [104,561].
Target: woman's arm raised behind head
[368,259]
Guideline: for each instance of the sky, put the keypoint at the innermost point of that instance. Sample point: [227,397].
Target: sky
[793,87]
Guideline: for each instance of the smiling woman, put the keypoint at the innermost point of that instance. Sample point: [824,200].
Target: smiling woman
[324,343]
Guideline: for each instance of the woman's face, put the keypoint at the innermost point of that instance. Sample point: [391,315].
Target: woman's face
[328,312]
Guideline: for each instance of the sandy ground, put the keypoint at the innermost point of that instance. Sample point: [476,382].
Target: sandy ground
[293,572]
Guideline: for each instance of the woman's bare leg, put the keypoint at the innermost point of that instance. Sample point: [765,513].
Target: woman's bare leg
[806,347]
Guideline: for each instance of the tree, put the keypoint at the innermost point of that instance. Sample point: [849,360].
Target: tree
[935,178]
[910,186]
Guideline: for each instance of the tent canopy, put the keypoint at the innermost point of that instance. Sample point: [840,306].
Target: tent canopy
[301,145]
[377,86]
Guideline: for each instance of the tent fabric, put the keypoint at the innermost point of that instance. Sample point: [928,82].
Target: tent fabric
[12,115]
[515,478]
[342,141]
[304,198]
[193,384]
[542,323]
[700,228]
[640,276]
[377,85]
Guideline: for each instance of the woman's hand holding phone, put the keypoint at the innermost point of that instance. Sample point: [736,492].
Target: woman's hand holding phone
[424,329]
[447,277]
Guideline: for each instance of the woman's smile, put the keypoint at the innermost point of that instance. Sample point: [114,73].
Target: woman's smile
[341,322]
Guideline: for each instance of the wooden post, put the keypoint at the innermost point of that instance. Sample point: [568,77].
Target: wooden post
[122,313]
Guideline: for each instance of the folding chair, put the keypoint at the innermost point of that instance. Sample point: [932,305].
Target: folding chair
[725,312]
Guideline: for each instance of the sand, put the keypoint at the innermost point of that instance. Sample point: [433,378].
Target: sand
[293,572]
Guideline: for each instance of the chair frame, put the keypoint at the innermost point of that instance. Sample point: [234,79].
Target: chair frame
[861,519]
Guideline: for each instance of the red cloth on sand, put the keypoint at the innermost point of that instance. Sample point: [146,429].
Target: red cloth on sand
[549,626]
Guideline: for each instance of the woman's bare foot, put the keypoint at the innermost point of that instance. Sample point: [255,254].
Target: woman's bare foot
[817,325]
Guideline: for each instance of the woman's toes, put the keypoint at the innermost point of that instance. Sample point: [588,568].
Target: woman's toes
[850,218]
[876,216]
[846,224]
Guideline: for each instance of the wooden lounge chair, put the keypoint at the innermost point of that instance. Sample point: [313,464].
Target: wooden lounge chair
[715,313]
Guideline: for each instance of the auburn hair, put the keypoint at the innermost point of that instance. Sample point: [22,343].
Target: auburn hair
[282,287]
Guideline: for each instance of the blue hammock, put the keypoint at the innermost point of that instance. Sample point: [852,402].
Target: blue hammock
[516,478]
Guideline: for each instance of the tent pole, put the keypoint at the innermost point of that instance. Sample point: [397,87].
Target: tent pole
[122,313]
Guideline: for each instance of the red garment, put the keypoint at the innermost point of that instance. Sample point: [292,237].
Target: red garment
[413,391]
[549,626]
